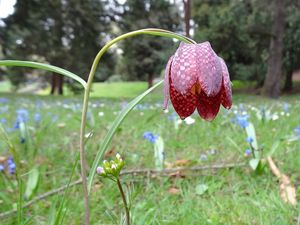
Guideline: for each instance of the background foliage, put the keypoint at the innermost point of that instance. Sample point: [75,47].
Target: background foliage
[69,33]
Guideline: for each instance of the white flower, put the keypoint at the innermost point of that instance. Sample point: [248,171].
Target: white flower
[101,114]
[189,120]
[275,117]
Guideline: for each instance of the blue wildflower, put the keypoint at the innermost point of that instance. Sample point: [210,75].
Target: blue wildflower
[11,165]
[242,120]
[148,135]
[1,167]
[286,107]
[249,140]
[3,120]
[297,131]
[37,117]
[22,117]
[3,100]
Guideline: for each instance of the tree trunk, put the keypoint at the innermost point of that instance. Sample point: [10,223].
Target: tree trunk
[288,84]
[56,84]
[272,81]
[150,80]
[187,16]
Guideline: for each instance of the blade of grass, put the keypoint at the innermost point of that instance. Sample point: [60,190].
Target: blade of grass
[43,66]
[107,139]
[60,214]
[16,158]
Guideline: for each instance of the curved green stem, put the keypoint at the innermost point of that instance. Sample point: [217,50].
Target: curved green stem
[149,31]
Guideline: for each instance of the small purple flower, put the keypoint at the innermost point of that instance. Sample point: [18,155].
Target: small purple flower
[11,165]
[248,152]
[100,170]
[1,167]
[148,135]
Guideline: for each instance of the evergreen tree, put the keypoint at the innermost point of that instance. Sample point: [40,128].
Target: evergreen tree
[144,57]
[66,33]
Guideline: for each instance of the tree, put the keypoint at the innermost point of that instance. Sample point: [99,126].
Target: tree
[228,25]
[187,16]
[144,57]
[291,51]
[273,78]
[240,31]
[65,33]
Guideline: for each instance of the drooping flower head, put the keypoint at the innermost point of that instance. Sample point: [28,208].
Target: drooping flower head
[196,77]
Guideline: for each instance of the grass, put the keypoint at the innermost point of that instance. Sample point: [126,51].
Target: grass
[107,90]
[234,196]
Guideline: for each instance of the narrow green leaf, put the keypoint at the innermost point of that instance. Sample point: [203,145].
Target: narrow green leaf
[254,163]
[43,66]
[32,183]
[250,130]
[112,130]
[274,148]
[159,153]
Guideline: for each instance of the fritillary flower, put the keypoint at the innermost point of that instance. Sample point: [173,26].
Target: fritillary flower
[196,77]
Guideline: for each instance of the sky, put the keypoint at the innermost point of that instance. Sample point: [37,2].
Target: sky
[6,7]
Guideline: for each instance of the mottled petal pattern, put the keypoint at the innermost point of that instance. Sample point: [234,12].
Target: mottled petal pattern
[166,83]
[208,107]
[209,72]
[184,105]
[184,68]
[196,77]
[226,92]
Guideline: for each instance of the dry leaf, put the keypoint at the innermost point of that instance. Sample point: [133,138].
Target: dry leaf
[110,153]
[2,159]
[176,174]
[182,162]
[287,190]
[174,191]
[178,163]
[97,186]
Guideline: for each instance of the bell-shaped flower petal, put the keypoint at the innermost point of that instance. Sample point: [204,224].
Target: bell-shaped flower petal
[208,107]
[166,83]
[184,104]
[226,96]
[209,69]
[184,69]
[196,77]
